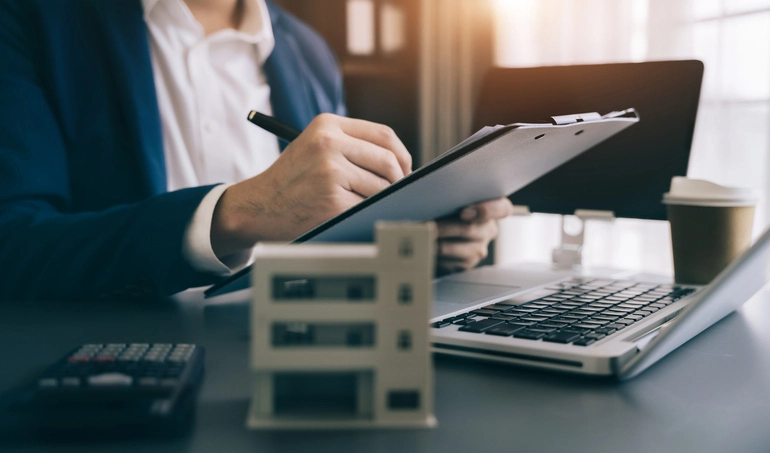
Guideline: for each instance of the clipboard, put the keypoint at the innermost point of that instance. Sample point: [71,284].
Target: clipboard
[495,162]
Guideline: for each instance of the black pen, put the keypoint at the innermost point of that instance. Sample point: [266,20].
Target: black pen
[275,127]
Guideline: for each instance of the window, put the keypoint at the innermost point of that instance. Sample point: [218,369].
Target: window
[300,334]
[731,145]
[336,394]
[360,32]
[404,399]
[405,248]
[362,15]
[405,294]
[298,288]
[404,341]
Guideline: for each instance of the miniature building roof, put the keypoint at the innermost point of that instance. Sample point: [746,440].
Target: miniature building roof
[325,251]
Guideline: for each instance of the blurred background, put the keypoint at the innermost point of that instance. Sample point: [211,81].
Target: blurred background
[417,66]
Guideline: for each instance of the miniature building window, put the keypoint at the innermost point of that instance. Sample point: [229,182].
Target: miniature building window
[405,293]
[292,288]
[307,393]
[404,340]
[299,334]
[403,399]
[406,248]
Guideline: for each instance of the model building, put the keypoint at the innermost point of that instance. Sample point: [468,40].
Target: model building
[339,332]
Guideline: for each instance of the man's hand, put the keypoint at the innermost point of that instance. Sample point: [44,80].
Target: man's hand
[334,164]
[463,243]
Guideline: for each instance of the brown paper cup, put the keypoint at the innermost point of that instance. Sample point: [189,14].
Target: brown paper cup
[705,239]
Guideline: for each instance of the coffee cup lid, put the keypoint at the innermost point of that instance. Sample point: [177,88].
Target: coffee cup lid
[698,192]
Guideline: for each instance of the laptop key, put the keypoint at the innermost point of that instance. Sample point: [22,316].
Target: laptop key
[583,327]
[542,314]
[606,330]
[504,330]
[573,316]
[522,311]
[582,312]
[540,328]
[505,316]
[604,317]
[614,313]
[464,321]
[563,336]
[625,322]
[496,307]
[583,341]
[484,312]
[480,326]
[518,322]
[533,319]
[628,303]
[595,335]
[529,335]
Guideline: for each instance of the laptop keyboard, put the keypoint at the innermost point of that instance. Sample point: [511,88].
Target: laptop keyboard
[579,311]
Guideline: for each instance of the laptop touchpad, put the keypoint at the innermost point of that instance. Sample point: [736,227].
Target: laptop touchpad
[451,296]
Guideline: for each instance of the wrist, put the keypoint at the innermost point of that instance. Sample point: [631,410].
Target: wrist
[229,232]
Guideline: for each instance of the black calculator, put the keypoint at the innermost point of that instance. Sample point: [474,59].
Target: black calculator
[114,389]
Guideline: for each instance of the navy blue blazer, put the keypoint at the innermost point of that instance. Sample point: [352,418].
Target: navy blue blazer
[84,211]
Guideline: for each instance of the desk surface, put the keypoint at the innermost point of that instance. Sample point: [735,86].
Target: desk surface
[713,394]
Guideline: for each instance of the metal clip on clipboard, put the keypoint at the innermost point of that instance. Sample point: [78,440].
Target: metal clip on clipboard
[593,116]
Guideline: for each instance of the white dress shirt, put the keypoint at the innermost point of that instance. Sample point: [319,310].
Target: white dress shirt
[205,86]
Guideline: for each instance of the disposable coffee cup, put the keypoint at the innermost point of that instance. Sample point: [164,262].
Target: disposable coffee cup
[710,226]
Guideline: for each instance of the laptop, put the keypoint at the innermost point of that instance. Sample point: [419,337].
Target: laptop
[588,325]
[600,324]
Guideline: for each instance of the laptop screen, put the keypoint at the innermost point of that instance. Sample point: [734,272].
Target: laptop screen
[628,173]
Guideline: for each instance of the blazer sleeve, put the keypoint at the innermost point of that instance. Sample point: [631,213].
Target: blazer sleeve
[46,252]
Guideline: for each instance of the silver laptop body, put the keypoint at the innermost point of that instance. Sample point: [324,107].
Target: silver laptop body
[661,317]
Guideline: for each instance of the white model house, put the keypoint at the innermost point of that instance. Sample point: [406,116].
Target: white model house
[339,332]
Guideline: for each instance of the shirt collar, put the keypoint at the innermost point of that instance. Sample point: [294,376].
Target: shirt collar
[255,25]
[147,6]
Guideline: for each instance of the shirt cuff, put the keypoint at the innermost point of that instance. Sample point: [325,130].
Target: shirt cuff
[196,247]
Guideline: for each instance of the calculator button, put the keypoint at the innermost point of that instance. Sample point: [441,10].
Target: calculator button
[110,379]
[104,358]
[48,382]
[78,359]
[70,382]
[148,381]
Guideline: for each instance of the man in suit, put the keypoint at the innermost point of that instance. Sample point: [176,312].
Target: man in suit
[119,119]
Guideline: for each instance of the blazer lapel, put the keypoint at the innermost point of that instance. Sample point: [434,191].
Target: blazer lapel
[290,94]
[125,35]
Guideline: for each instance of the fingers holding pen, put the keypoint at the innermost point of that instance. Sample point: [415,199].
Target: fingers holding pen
[380,135]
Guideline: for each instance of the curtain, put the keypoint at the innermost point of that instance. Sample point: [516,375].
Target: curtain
[456,42]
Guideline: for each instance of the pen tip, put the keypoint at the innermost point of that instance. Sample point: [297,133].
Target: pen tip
[252,113]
